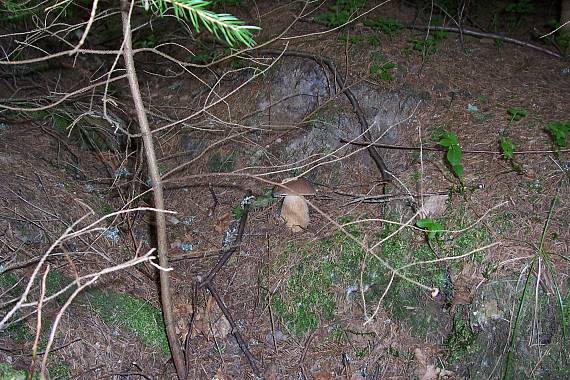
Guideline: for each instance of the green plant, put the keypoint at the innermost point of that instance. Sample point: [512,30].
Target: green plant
[517,10]
[388,26]
[231,3]
[340,12]
[507,147]
[382,71]
[461,339]
[498,43]
[149,41]
[520,7]
[559,132]
[306,298]
[439,35]
[16,10]
[562,39]
[454,154]
[7,372]
[541,257]
[59,370]
[433,228]
[517,113]
[106,208]
[258,202]
[426,46]
[222,25]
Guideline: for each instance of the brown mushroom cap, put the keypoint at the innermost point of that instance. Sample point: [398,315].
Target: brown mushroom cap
[299,186]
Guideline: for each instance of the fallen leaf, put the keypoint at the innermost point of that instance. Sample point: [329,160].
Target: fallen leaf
[222,222]
[427,371]
[211,322]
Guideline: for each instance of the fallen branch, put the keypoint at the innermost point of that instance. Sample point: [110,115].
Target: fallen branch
[442,149]
[207,283]
[487,35]
[235,331]
[229,251]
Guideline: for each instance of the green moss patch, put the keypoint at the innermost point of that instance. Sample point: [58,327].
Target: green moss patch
[131,314]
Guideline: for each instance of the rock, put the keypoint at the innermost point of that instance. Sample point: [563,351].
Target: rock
[299,86]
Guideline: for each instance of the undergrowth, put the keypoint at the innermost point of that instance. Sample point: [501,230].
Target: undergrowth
[323,275]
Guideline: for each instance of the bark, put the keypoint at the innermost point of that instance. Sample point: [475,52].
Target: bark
[165,296]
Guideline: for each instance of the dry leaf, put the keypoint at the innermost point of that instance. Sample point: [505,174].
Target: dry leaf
[222,222]
[210,321]
[427,371]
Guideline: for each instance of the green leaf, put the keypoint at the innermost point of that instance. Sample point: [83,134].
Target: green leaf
[447,139]
[238,212]
[458,169]
[517,113]
[507,147]
[433,228]
[454,154]
[559,132]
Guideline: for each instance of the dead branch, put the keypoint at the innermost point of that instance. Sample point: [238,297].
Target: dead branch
[165,295]
[207,283]
[487,35]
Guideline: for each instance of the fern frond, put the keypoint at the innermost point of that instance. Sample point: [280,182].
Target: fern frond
[221,25]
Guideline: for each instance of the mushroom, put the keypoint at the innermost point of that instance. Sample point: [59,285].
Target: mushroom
[295,210]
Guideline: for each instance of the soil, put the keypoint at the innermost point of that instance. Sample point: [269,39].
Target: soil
[497,311]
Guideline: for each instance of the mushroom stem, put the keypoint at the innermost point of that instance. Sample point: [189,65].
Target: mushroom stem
[295,212]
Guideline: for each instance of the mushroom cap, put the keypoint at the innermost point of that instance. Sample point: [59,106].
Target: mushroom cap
[299,186]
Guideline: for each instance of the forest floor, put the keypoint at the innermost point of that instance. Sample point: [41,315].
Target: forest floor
[321,303]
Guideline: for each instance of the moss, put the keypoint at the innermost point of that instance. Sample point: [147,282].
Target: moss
[461,341]
[9,373]
[18,332]
[59,370]
[132,314]
[106,208]
[329,270]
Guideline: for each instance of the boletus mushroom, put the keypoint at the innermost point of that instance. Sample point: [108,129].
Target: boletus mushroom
[294,209]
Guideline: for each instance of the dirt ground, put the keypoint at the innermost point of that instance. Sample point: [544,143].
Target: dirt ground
[302,301]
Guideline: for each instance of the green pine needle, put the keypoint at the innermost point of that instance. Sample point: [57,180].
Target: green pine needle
[222,25]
